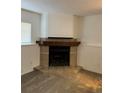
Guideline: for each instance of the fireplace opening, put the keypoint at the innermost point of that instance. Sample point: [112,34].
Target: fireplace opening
[59,55]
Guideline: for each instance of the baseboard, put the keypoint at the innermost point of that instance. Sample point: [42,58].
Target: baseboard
[82,68]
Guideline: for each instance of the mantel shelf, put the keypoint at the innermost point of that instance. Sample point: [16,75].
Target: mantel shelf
[57,42]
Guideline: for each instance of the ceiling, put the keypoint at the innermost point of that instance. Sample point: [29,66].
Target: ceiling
[74,7]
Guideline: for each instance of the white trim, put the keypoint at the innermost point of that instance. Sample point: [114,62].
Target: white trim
[27,44]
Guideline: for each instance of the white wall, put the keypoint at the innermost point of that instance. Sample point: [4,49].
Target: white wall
[90,50]
[35,20]
[57,25]
[44,25]
[60,25]
[30,57]
[77,26]
[30,54]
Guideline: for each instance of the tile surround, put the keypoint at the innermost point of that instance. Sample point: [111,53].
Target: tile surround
[44,56]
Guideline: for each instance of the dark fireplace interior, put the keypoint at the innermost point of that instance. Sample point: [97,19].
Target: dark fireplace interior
[59,55]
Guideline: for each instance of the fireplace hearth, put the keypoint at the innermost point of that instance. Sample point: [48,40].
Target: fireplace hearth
[59,55]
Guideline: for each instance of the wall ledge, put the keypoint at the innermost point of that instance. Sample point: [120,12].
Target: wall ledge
[28,44]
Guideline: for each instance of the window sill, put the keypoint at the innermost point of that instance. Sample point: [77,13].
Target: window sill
[27,44]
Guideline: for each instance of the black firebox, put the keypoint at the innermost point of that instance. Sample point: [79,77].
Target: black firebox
[59,55]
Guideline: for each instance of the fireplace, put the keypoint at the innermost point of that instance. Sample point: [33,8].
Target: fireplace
[58,52]
[59,55]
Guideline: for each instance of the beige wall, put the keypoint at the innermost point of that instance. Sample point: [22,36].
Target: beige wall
[90,52]
[30,57]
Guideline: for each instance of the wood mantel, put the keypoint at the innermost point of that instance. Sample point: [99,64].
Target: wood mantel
[58,42]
